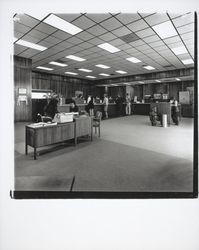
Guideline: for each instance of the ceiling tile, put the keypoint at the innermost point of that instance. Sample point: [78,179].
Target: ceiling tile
[96,30]
[137,43]
[107,37]
[21,28]
[128,18]
[138,25]
[53,40]
[45,28]
[157,19]
[84,35]
[111,24]
[174,39]
[188,36]
[117,42]
[98,17]
[183,20]
[37,34]
[31,39]
[29,53]
[74,40]
[96,41]
[186,28]
[151,39]
[157,44]
[61,35]
[83,22]
[145,33]
[121,31]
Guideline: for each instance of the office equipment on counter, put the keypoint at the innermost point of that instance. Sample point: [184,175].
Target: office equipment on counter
[63,117]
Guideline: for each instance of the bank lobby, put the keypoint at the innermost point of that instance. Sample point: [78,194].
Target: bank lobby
[138,73]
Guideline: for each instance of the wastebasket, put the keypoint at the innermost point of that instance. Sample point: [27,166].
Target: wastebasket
[164,120]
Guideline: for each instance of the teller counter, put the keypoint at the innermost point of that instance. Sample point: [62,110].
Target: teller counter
[112,109]
[141,108]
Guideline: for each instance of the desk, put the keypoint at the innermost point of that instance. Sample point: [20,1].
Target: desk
[49,134]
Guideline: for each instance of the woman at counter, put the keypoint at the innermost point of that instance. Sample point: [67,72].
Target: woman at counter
[105,102]
[90,107]
[128,104]
[73,107]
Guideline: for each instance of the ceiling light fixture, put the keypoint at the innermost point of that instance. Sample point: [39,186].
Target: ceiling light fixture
[102,66]
[187,61]
[44,68]
[121,72]
[91,76]
[31,45]
[157,80]
[71,73]
[179,50]
[133,59]
[58,64]
[76,58]
[178,79]
[108,47]
[140,82]
[149,67]
[165,30]
[62,24]
[103,74]
[85,70]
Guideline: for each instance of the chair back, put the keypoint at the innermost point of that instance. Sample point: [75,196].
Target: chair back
[98,115]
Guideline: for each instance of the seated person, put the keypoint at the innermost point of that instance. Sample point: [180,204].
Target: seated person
[154,116]
[73,107]
[50,110]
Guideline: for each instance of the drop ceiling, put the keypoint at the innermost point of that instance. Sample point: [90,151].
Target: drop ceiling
[134,35]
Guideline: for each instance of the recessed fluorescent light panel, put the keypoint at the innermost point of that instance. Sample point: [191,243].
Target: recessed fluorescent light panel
[91,76]
[157,80]
[140,82]
[58,64]
[165,30]
[76,58]
[177,79]
[149,67]
[44,68]
[187,61]
[31,45]
[108,47]
[133,59]
[85,70]
[61,24]
[121,72]
[103,74]
[179,50]
[71,73]
[102,66]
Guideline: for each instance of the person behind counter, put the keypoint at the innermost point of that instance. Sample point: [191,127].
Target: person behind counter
[128,104]
[174,110]
[105,102]
[90,107]
[119,105]
[73,107]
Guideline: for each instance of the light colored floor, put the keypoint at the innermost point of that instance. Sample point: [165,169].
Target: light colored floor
[131,155]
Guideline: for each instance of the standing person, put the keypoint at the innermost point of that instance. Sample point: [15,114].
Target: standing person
[174,111]
[90,107]
[105,102]
[73,107]
[119,105]
[128,104]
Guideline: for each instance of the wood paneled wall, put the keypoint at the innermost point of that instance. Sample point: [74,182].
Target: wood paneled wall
[22,80]
[62,84]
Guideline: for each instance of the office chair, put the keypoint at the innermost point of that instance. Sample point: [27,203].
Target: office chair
[97,122]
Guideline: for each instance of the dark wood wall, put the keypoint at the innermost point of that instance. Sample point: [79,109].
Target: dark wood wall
[22,80]
[63,85]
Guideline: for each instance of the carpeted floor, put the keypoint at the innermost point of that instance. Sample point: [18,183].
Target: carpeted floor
[131,156]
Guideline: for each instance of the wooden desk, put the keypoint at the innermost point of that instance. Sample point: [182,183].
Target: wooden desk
[46,135]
